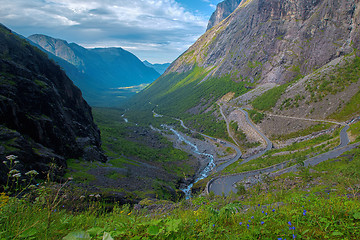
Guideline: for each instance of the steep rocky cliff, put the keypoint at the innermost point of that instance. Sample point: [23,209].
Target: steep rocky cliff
[223,10]
[43,117]
[275,40]
[272,43]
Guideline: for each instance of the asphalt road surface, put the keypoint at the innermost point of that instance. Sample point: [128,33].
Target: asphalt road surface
[225,184]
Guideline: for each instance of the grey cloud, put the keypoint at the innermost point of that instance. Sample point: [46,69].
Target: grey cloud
[152,32]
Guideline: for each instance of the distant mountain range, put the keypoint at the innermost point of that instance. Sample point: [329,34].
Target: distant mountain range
[106,76]
[160,68]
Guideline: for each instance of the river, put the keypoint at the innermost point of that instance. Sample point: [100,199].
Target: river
[205,172]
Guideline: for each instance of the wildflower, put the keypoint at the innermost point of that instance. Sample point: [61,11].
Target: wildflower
[129,213]
[70,178]
[289,223]
[4,162]
[18,175]
[197,220]
[262,211]
[97,195]
[291,228]
[240,223]
[249,221]
[262,223]
[32,173]
[213,225]
[14,171]
[266,214]
[258,205]
[273,210]
[248,226]
[252,217]
[11,157]
[304,213]
[294,236]
[16,162]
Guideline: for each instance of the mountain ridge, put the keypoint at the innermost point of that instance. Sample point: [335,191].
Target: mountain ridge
[223,10]
[160,68]
[101,71]
[44,119]
[273,43]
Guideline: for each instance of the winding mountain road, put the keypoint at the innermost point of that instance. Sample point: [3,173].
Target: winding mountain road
[268,143]
[226,184]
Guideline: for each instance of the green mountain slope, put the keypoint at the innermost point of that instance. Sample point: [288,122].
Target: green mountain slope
[261,43]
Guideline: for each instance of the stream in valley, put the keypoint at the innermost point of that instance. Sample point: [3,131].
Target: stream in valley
[205,172]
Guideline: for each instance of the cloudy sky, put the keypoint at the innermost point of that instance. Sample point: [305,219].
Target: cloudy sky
[154,30]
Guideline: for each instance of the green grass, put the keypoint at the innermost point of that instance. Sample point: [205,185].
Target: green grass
[78,170]
[256,116]
[355,131]
[174,94]
[206,123]
[120,162]
[335,82]
[351,109]
[115,175]
[121,145]
[268,100]
[322,204]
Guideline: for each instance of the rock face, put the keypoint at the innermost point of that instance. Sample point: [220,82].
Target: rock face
[275,40]
[223,10]
[262,43]
[100,71]
[43,117]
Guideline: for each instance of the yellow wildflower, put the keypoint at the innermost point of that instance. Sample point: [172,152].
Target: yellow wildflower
[3,199]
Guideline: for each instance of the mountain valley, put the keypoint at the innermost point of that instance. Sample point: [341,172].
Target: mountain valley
[252,133]
[107,76]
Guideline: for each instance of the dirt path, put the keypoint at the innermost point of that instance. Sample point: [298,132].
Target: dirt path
[305,119]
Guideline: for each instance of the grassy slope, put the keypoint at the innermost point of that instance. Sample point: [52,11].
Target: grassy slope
[174,94]
[319,204]
[126,145]
[115,137]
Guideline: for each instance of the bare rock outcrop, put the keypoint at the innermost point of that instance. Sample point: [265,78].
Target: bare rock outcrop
[223,10]
[43,118]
